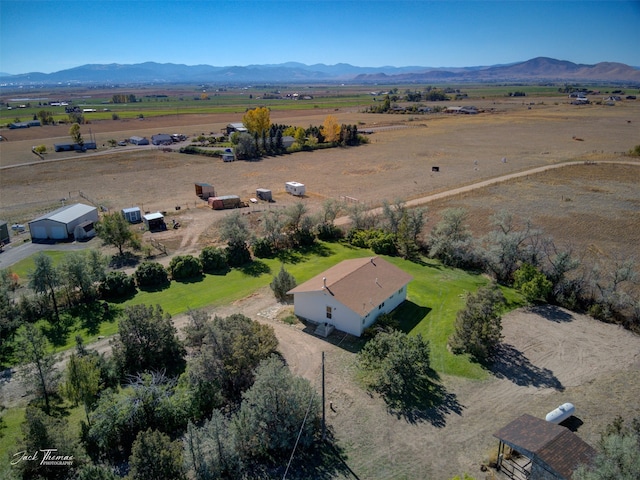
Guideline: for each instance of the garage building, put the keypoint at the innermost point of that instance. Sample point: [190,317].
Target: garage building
[60,224]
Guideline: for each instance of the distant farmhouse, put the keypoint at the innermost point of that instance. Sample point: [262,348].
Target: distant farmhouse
[351,295]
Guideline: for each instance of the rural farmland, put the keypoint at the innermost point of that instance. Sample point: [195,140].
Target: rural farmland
[551,355]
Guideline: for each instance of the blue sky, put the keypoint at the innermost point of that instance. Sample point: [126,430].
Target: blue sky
[52,35]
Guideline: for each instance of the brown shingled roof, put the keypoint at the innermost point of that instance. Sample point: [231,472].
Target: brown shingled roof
[552,444]
[360,284]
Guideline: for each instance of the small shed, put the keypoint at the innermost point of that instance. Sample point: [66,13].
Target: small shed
[61,223]
[132,214]
[224,202]
[295,188]
[4,233]
[154,221]
[264,194]
[205,190]
[135,140]
[554,451]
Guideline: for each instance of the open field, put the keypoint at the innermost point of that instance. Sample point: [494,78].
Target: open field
[551,356]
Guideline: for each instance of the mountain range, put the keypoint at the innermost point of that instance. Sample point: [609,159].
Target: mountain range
[540,69]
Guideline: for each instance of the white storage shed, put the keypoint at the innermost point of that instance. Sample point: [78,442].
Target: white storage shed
[132,214]
[295,188]
[61,223]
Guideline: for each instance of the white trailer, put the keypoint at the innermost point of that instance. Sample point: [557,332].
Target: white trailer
[295,188]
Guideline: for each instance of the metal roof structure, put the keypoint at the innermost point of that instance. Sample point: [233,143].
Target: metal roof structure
[67,213]
[552,448]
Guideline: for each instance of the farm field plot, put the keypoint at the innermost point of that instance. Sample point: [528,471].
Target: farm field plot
[553,356]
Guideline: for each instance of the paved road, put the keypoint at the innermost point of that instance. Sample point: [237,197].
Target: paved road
[19,250]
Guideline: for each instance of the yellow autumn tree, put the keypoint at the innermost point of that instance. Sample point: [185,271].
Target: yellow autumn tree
[257,120]
[330,129]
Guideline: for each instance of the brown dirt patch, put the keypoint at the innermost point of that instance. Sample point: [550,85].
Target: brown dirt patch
[554,357]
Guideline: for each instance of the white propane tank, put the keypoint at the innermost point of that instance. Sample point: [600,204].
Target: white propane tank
[561,413]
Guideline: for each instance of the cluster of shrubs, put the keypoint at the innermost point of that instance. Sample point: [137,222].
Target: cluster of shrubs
[150,275]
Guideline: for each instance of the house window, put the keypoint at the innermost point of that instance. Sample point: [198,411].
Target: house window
[380,306]
[400,291]
[329,311]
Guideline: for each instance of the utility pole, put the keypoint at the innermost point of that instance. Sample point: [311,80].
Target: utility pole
[324,424]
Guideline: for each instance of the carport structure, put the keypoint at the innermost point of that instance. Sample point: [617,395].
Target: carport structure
[553,451]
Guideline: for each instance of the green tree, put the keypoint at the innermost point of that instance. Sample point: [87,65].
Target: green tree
[246,147]
[117,285]
[234,229]
[38,370]
[115,230]
[398,366]
[185,267]
[278,411]
[151,275]
[9,313]
[478,327]
[281,284]
[213,260]
[44,279]
[77,275]
[75,134]
[41,432]
[82,381]
[534,285]
[230,350]
[147,340]
[46,117]
[209,450]
[155,457]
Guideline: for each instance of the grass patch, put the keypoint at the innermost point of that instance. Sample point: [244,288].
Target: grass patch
[13,418]
[435,296]
[27,265]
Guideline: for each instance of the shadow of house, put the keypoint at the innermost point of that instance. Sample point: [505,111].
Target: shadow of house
[553,451]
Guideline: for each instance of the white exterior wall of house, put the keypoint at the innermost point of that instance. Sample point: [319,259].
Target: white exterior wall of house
[313,306]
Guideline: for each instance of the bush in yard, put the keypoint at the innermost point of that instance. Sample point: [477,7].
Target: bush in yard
[329,232]
[213,260]
[117,285]
[151,274]
[281,284]
[534,285]
[264,248]
[184,267]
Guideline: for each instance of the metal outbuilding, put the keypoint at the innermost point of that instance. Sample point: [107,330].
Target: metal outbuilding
[154,221]
[161,139]
[4,233]
[132,214]
[61,223]
[135,140]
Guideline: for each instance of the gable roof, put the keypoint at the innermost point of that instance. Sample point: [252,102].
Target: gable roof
[361,284]
[554,445]
[67,213]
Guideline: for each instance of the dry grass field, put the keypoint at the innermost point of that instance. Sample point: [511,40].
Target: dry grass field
[554,356]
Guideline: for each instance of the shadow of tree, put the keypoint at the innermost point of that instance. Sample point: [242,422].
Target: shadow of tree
[127,259]
[511,364]
[58,332]
[552,312]
[195,279]
[255,268]
[410,314]
[426,400]
[327,460]
[92,315]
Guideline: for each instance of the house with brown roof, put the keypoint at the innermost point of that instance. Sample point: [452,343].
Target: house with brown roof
[554,452]
[351,295]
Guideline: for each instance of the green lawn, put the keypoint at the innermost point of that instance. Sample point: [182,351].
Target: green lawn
[434,297]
